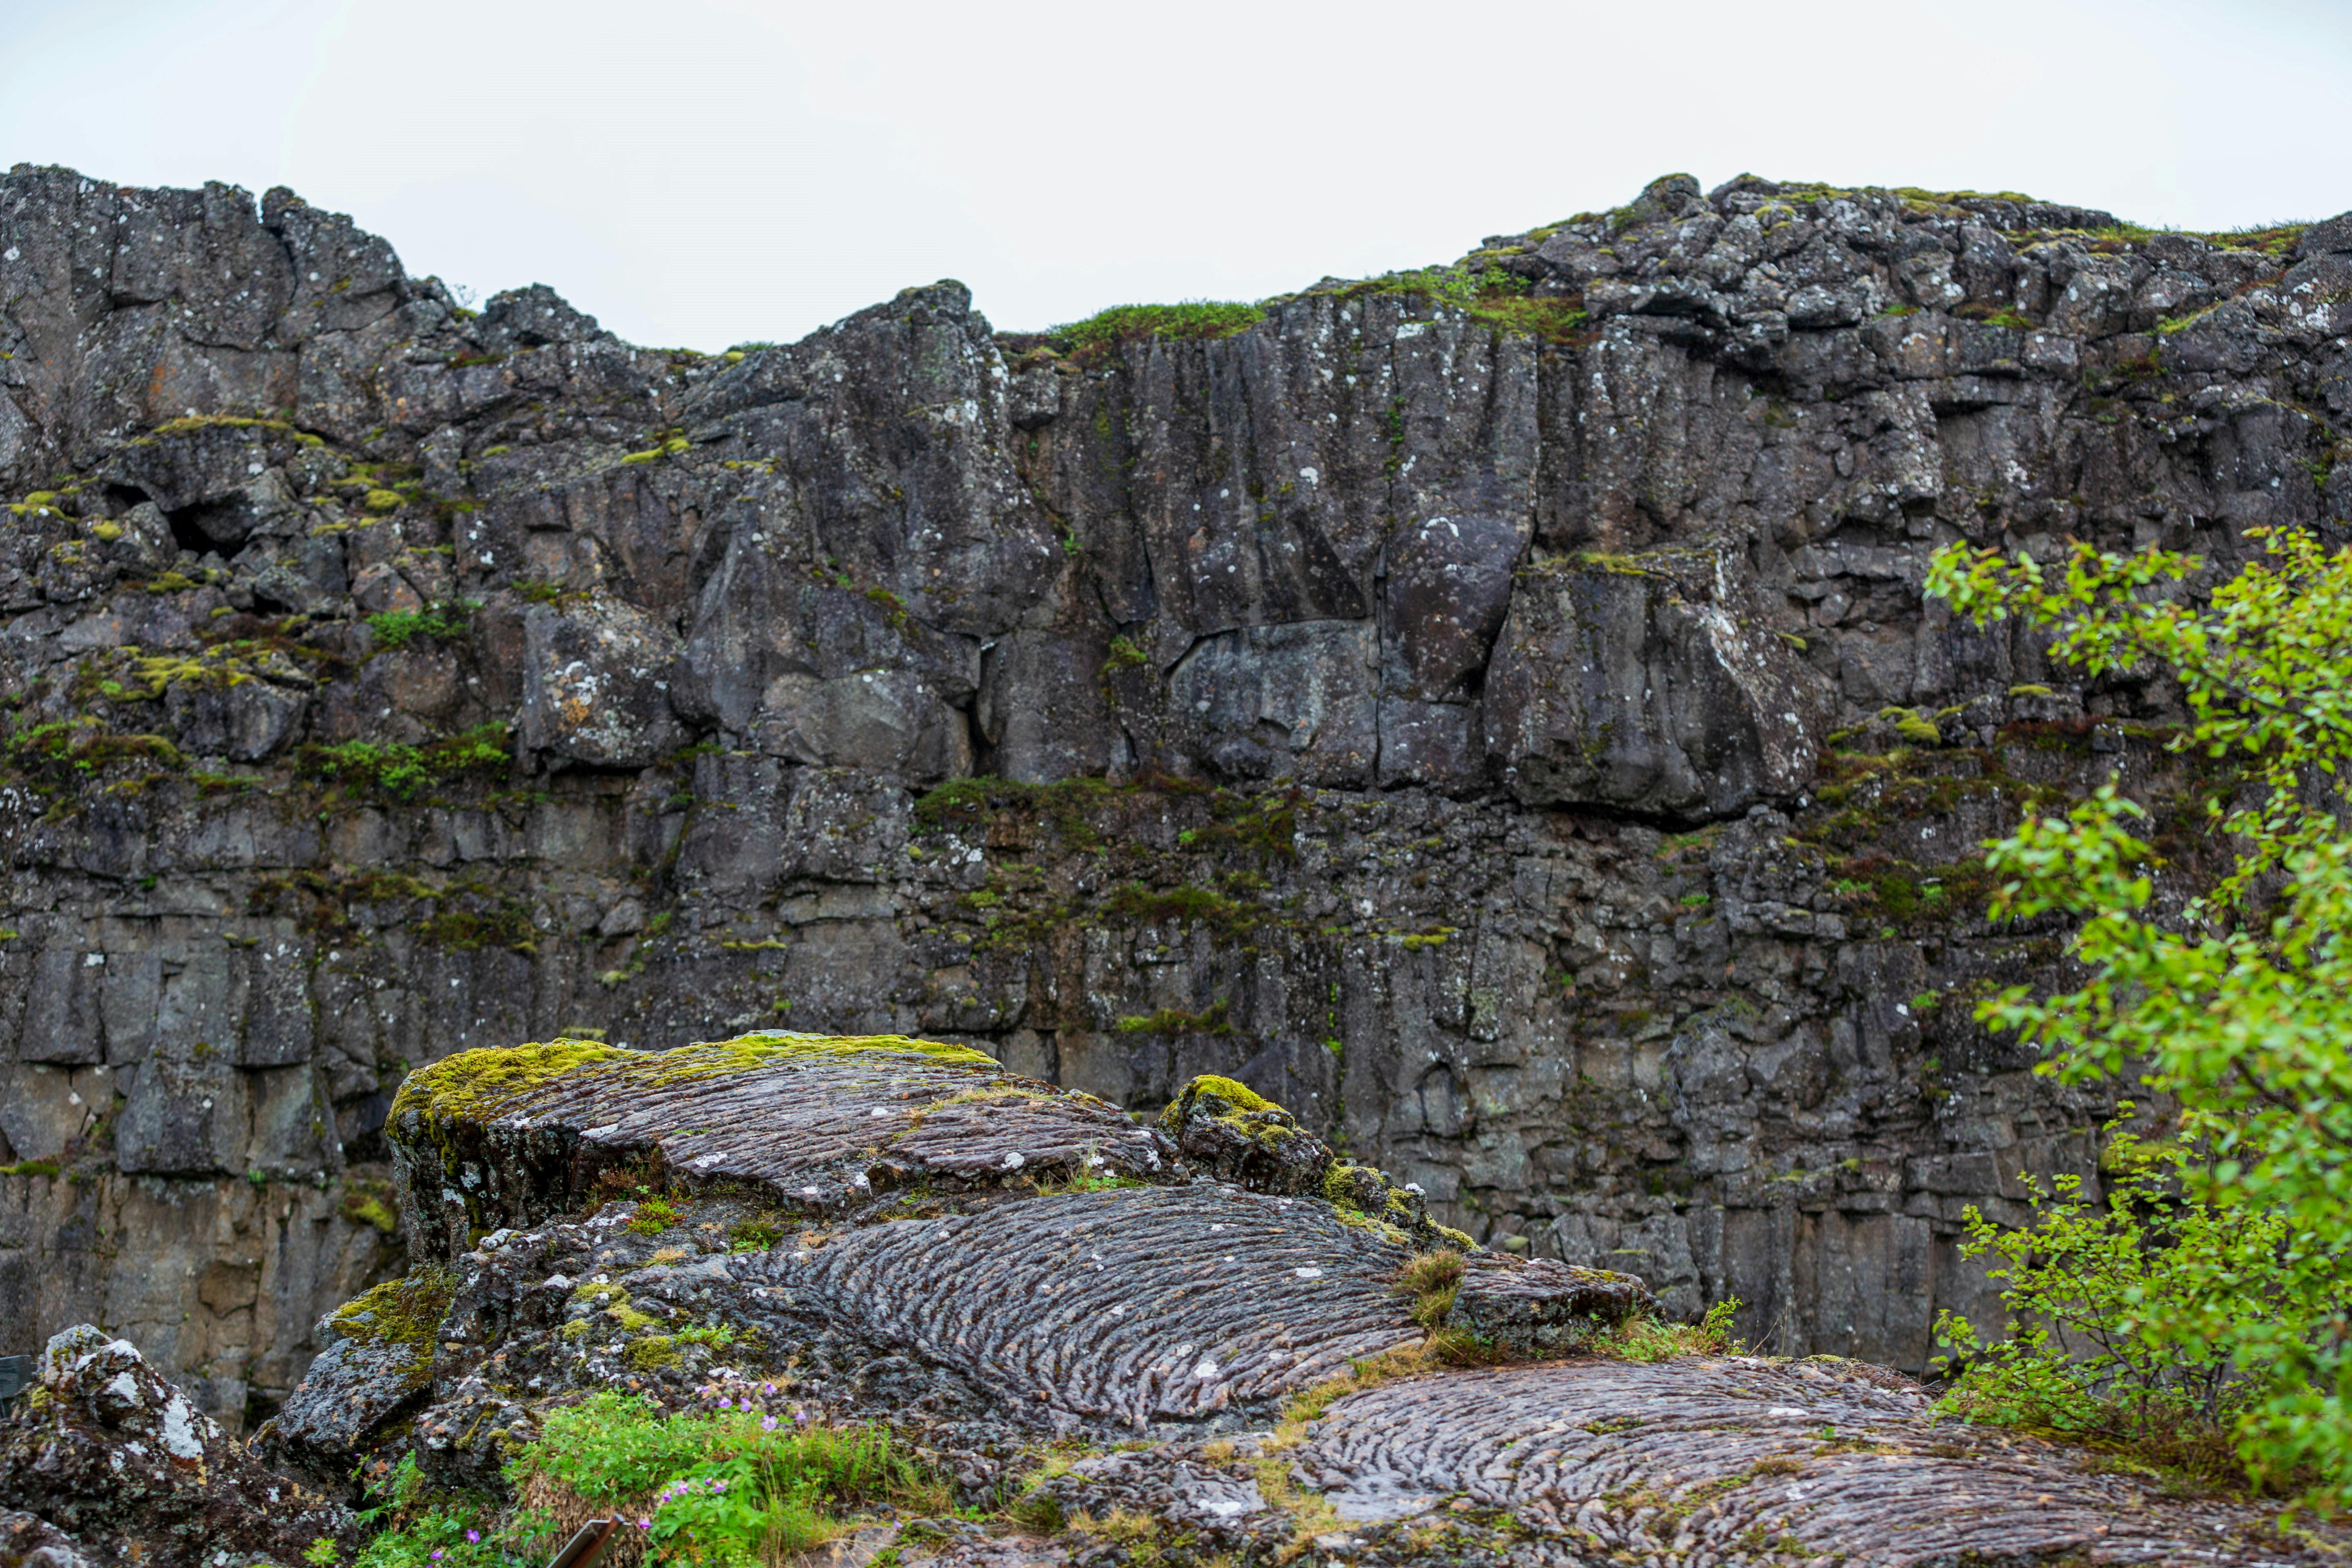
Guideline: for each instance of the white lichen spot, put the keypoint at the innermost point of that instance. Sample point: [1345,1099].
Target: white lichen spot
[179,1433]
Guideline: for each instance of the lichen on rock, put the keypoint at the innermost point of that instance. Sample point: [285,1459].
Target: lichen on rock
[118,1460]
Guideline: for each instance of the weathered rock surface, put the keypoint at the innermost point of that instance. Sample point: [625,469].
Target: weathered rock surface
[1123,1306]
[1416,709]
[28,1542]
[1058,1292]
[113,1463]
[1540,1308]
[1708,1460]
[1611,687]
[813,1124]
[1149,1324]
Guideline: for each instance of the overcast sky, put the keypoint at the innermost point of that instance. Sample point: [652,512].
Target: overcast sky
[700,173]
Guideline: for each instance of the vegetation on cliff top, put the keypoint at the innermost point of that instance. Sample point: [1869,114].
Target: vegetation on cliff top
[1104,333]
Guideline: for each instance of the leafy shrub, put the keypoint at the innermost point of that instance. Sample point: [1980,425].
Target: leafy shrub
[418,1530]
[2121,1311]
[2239,1006]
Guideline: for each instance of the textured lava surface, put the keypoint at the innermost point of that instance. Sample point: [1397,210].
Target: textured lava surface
[1702,1457]
[1134,1305]
[816,1133]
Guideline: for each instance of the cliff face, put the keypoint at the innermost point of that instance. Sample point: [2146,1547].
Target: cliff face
[1433,705]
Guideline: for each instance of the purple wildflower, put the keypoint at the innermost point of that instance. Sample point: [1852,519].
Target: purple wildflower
[473,1535]
[767,1423]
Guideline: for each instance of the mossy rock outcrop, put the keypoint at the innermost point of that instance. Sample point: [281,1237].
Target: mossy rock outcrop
[1228,1130]
[815,1125]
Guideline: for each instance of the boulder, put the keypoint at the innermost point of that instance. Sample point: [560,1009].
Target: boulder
[118,1462]
[1230,1132]
[596,684]
[1542,1307]
[1622,683]
[821,1124]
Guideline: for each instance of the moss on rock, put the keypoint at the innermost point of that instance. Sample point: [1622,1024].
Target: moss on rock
[1239,1097]
[1232,1132]
[1365,1195]
[481,1085]
[402,1314]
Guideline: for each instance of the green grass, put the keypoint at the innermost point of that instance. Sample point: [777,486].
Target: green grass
[1489,296]
[1104,333]
[1648,1339]
[739,1485]
[730,1485]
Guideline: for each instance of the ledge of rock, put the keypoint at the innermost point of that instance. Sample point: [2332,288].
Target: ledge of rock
[1629,683]
[817,1125]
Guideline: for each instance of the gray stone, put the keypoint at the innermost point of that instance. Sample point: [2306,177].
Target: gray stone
[596,684]
[1612,688]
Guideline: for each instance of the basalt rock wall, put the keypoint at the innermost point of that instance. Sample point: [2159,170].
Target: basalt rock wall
[1435,705]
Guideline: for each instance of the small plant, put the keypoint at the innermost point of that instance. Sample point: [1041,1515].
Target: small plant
[443,622]
[1432,1279]
[653,1216]
[1646,1338]
[756,1234]
[403,771]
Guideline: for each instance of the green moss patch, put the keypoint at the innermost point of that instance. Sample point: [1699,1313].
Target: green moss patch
[1239,1097]
[1176,1021]
[402,773]
[444,622]
[481,1085]
[402,1314]
[474,1084]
